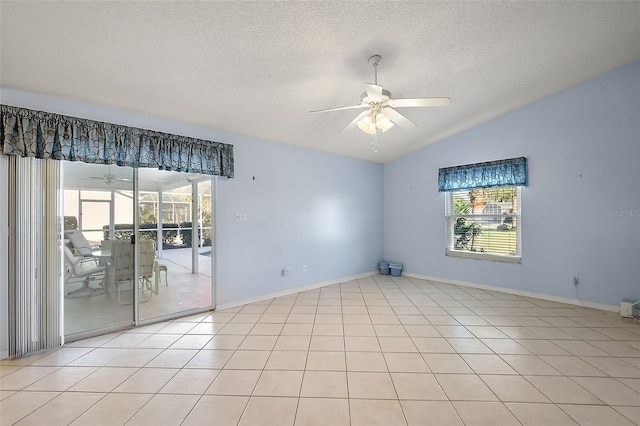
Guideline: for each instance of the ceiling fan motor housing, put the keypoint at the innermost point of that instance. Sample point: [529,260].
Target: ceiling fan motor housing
[366,100]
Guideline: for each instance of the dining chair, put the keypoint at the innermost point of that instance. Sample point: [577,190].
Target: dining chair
[122,265]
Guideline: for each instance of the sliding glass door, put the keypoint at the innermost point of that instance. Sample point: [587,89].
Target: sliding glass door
[177,217]
[138,246]
[97,199]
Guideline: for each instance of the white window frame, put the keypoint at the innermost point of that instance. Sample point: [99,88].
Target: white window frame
[450,218]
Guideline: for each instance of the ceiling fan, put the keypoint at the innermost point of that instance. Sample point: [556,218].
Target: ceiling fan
[108,178]
[380,112]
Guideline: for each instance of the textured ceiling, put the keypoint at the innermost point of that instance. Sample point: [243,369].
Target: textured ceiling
[257,68]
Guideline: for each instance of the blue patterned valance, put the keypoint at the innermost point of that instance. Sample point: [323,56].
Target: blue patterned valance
[512,171]
[30,133]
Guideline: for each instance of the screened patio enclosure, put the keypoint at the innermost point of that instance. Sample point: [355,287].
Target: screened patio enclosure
[173,210]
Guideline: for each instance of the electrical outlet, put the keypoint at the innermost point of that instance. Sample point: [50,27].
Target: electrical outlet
[304,268]
[286,271]
[574,279]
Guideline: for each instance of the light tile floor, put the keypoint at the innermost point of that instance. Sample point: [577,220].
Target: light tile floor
[377,351]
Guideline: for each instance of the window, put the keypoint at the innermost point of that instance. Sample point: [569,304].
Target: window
[484,223]
[482,210]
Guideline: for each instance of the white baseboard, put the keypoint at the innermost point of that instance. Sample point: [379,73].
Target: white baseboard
[577,302]
[294,290]
[542,296]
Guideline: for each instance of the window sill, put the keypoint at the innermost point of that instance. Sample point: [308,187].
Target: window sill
[483,256]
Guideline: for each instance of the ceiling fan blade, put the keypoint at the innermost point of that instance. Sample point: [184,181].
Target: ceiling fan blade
[338,109]
[354,123]
[420,102]
[374,92]
[398,118]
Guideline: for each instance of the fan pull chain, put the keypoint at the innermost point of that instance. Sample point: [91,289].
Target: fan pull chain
[374,142]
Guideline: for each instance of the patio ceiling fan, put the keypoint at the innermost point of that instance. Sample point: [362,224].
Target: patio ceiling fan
[108,178]
[380,112]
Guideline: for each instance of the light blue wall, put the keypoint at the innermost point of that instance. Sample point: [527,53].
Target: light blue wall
[304,207]
[583,150]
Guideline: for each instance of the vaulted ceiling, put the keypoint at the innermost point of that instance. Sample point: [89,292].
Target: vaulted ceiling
[257,68]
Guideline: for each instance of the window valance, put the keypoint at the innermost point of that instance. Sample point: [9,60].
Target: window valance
[512,171]
[39,134]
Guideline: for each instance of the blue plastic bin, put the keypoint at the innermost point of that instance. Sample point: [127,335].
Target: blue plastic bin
[396,269]
[384,268]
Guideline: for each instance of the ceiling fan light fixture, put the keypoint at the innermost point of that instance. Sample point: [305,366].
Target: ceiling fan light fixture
[368,124]
[383,123]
